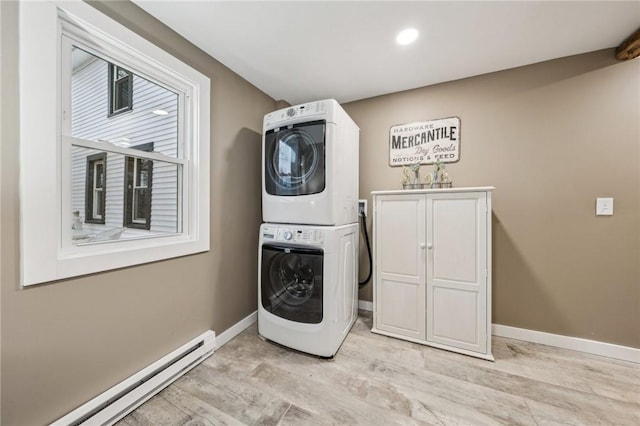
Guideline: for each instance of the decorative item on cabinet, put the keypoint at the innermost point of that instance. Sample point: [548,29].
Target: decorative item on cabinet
[438,168]
[445,181]
[411,177]
[428,180]
[439,178]
[432,279]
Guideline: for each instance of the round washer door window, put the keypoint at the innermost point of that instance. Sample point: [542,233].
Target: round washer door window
[292,279]
[291,283]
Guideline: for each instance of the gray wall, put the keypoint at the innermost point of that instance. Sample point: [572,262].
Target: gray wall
[65,342]
[551,137]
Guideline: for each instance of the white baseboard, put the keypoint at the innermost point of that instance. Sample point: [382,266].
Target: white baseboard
[365,305]
[104,412]
[594,347]
[118,401]
[624,353]
[234,330]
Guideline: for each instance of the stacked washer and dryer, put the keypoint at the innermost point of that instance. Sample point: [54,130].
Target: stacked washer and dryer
[308,250]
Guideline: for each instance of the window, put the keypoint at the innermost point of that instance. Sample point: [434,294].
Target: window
[95,188]
[120,90]
[141,178]
[130,145]
[138,180]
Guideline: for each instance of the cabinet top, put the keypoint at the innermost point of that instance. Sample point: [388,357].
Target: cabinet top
[437,191]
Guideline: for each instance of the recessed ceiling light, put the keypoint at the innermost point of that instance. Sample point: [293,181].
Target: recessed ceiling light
[160,112]
[407,36]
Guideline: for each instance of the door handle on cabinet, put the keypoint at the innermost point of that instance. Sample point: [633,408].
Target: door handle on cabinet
[422,246]
[429,246]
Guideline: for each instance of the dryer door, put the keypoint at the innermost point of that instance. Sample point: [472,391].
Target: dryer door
[291,283]
[294,159]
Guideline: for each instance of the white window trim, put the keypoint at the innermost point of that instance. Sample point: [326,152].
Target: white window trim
[46,251]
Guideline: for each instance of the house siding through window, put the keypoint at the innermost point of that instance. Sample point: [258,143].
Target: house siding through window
[91,120]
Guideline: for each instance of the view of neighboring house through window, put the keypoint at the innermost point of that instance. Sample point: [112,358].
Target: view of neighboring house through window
[94,194]
[139,176]
[125,168]
[120,90]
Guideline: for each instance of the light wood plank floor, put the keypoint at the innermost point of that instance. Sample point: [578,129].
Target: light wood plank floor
[377,380]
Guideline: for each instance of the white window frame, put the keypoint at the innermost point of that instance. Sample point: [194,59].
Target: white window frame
[47,251]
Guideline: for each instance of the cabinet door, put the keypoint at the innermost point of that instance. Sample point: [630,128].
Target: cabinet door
[457,270]
[399,240]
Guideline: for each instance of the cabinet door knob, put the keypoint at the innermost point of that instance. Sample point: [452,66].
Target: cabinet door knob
[429,246]
[422,246]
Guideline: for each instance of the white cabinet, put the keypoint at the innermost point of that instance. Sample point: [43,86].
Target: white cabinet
[432,273]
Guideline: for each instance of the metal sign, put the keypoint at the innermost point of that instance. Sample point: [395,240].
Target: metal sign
[425,142]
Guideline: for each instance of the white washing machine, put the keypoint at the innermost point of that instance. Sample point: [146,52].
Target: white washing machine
[307,291]
[310,165]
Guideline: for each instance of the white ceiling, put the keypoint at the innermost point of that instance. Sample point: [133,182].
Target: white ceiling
[301,51]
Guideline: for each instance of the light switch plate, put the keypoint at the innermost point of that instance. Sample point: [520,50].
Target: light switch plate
[604,206]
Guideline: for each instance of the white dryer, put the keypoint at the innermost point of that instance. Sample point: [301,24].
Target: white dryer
[307,291]
[310,165]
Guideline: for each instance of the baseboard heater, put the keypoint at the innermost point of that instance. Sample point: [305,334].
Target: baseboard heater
[115,403]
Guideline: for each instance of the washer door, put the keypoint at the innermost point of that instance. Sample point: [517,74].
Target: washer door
[291,283]
[295,159]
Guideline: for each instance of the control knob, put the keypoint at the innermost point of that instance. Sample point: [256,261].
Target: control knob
[291,112]
[287,235]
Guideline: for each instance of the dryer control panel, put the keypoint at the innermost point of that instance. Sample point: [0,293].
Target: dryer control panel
[293,234]
[298,113]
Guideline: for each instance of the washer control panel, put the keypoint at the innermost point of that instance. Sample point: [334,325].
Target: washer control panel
[293,234]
